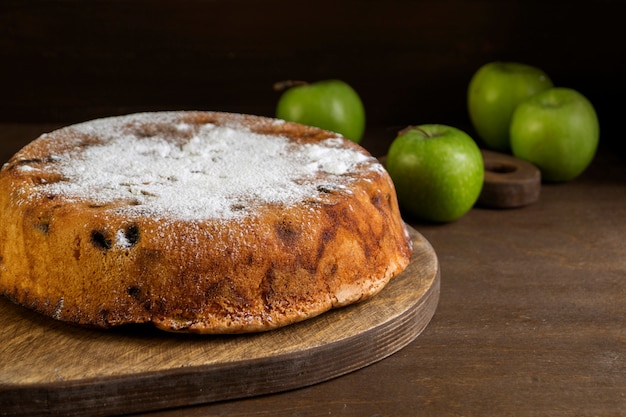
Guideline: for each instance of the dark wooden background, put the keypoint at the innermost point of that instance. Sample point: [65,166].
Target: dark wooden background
[70,60]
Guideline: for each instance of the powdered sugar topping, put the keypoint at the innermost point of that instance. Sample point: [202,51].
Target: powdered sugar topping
[205,171]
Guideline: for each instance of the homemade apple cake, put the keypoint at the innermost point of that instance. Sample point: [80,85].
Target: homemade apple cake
[202,222]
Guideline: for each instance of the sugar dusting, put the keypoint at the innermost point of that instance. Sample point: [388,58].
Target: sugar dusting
[214,171]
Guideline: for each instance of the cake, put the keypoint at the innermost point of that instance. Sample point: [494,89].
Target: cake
[201,222]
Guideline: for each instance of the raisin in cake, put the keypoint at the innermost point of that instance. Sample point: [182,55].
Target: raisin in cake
[196,221]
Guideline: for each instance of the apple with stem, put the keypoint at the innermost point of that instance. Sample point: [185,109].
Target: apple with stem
[437,170]
[558,131]
[494,92]
[329,104]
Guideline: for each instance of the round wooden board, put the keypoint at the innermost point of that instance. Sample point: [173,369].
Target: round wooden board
[48,367]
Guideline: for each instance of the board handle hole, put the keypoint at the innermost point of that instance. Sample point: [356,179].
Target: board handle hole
[500,167]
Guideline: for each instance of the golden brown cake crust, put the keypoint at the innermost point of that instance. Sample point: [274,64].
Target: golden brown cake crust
[101,254]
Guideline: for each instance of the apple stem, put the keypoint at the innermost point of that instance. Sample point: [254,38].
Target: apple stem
[411,127]
[285,84]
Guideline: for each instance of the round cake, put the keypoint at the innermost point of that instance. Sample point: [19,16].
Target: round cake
[201,222]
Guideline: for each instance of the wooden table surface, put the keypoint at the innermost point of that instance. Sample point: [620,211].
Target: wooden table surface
[531,319]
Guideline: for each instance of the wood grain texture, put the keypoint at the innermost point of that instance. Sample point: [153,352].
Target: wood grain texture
[52,368]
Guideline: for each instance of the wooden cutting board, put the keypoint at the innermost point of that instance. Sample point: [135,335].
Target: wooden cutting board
[51,368]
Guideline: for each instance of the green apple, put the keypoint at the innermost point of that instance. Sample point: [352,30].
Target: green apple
[558,131]
[330,104]
[437,170]
[494,92]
